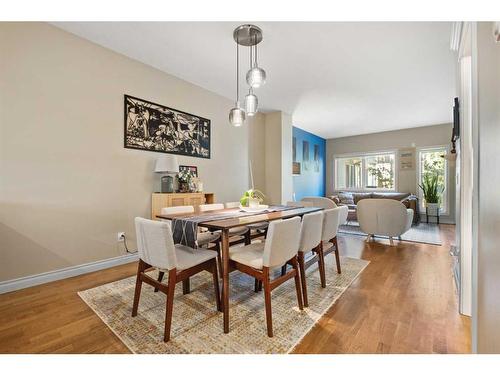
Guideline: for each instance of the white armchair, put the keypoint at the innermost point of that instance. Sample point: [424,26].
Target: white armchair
[386,217]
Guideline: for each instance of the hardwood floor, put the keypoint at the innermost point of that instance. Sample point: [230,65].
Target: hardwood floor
[404,302]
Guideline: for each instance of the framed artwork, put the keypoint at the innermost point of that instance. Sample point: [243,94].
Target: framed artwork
[407,159]
[295,168]
[316,158]
[305,155]
[191,168]
[154,127]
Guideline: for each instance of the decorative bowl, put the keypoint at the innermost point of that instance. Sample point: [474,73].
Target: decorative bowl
[259,208]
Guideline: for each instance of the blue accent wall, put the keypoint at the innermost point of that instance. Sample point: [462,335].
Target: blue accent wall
[311,181]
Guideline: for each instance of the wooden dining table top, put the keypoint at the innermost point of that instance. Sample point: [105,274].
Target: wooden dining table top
[229,223]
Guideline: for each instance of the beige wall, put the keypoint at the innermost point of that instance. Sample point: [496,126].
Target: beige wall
[426,136]
[278,157]
[67,185]
[486,314]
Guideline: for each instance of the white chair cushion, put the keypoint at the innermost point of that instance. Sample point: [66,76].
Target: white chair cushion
[250,255]
[188,257]
[205,238]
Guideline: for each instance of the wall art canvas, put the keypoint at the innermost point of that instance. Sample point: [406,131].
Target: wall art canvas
[191,168]
[154,127]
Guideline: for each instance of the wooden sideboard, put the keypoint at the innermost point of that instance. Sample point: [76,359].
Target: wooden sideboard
[160,200]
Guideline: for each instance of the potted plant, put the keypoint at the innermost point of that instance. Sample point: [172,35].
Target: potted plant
[184,177]
[252,198]
[432,191]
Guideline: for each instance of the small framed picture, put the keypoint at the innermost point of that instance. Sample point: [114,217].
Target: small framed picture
[191,168]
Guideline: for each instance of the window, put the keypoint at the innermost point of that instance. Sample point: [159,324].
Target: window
[431,162]
[359,172]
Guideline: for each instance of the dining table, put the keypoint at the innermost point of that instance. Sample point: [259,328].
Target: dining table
[225,224]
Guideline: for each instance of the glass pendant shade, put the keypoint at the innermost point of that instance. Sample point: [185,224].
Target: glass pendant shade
[237,116]
[256,77]
[251,103]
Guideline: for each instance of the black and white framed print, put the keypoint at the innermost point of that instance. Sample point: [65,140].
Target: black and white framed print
[154,127]
[190,168]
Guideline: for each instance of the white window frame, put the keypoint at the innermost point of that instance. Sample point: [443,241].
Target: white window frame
[421,207]
[363,155]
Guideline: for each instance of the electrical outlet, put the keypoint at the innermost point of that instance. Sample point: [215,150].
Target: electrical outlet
[120,236]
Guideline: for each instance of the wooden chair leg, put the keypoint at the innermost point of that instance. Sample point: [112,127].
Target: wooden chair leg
[248,239]
[297,282]
[160,278]
[321,264]
[186,286]
[141,267]
[337,255]
[170,303]
[267,299]
[283,270]
[215,276]
[302,268]
[256,286]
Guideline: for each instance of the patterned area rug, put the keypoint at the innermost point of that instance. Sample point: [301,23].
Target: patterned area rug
[422,233]
[197,326]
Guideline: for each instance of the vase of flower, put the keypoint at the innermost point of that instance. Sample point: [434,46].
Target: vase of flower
[184,178]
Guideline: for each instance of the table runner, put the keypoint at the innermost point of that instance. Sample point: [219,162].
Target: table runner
[185,230]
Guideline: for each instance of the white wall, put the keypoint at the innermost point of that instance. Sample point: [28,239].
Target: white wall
[486,302]
[67,185]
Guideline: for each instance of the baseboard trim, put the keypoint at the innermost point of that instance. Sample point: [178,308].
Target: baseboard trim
[64,273]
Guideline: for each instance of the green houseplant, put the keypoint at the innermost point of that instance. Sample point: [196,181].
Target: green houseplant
[432,190]
[252,196]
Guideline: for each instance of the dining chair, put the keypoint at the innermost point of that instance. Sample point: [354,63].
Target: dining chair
[156,249]
[311,232]
[258,259]
[233,232]
[329,243]
[202,238]
[299,204]
[260,229]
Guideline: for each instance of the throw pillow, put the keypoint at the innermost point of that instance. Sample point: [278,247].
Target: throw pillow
[346,198]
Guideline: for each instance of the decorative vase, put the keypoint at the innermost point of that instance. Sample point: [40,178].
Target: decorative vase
[253,203]
[183,187]
[432,209]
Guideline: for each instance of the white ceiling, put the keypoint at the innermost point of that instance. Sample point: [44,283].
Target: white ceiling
[336,79]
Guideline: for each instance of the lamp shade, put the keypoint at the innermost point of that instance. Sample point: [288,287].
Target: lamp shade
[167,164]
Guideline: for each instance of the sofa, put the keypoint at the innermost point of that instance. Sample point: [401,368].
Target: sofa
[351,199]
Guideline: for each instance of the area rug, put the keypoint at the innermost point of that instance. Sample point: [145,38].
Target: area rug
[197,326]
[422,233]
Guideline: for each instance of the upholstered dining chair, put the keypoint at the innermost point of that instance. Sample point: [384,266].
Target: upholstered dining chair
[299,204]
[322,202]
[258,259]
[260,229]
[233,232]
[310,240]
[156,249]
[329,243]
[203,239]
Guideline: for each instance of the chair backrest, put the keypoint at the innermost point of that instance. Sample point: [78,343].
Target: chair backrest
[383,216]
[344,213]
[155,243]
[232,204]
[282,242]
[177,210]
[322,202]
[311,231]
[211,207]
[299,204]
[330,223]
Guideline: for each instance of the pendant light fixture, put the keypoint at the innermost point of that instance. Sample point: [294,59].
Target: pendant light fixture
[248,36]
[256,76]
[237,114]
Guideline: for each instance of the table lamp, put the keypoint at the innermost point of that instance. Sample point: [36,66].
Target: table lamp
[168,165]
